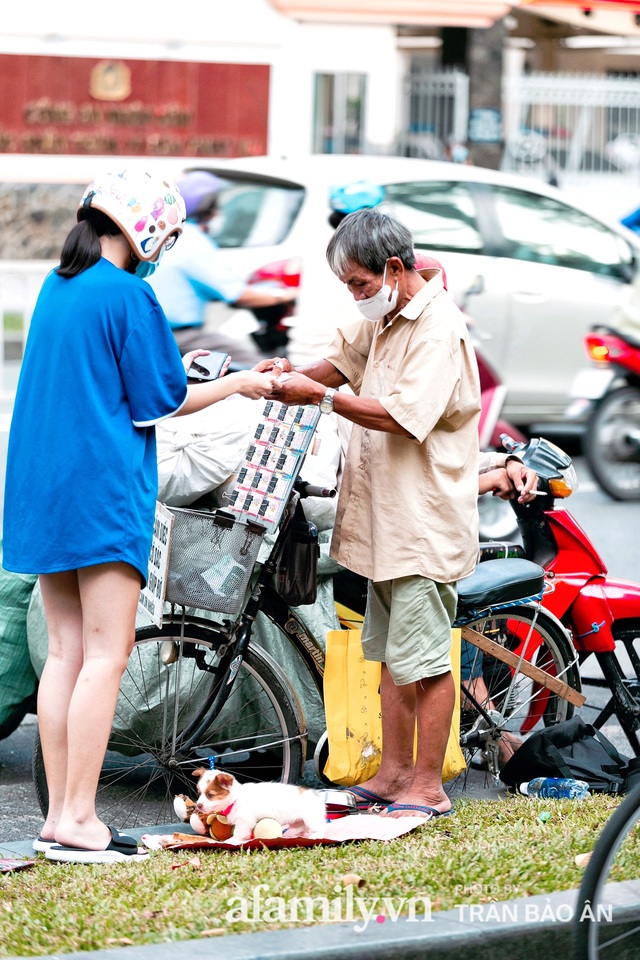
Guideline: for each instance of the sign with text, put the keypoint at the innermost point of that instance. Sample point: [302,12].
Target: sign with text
[485,125]
[152,596]
[82,105]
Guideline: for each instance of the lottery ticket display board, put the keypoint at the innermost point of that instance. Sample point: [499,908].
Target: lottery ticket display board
[272,462]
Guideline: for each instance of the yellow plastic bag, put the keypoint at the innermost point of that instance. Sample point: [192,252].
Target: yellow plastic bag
[352,707]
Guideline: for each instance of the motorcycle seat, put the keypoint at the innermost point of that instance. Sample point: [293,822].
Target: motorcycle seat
[496,583]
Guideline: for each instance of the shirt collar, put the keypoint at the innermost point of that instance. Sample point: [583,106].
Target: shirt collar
[425,295]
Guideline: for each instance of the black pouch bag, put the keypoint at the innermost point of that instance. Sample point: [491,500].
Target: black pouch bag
[573,749]
[296,578]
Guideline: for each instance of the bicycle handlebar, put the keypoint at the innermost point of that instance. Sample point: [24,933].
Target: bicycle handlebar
[310,490]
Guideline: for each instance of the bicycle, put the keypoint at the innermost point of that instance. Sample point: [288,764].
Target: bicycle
[606,922]
[195,688]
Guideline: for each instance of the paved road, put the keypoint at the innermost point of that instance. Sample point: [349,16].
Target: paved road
[611,527]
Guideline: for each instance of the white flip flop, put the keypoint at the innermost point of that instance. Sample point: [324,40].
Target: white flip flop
[121,849]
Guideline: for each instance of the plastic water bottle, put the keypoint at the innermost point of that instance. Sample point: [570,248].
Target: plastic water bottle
[555,788]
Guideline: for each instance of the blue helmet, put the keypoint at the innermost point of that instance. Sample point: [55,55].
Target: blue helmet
[355,196]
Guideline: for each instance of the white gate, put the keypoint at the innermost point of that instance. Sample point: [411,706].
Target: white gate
[436,112]
[574,129]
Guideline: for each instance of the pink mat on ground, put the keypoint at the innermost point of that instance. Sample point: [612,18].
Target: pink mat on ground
[363,826]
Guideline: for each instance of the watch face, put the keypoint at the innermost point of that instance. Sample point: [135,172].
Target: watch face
[326,404]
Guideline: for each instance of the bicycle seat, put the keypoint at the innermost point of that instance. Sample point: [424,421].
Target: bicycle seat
[496,583]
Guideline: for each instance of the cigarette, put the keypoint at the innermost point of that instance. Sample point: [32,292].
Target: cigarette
[537,493]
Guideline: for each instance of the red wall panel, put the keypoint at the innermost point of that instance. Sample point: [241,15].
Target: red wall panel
[73,105]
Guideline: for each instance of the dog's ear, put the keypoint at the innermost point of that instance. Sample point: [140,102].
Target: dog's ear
[225,780]
[199,772]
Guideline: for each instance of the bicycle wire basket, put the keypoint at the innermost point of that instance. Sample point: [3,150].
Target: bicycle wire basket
[211,559]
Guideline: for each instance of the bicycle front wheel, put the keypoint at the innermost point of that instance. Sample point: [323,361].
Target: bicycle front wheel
[607,918]
[165,725]
[500,706]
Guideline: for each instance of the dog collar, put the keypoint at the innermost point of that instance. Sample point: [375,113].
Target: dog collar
[227,810]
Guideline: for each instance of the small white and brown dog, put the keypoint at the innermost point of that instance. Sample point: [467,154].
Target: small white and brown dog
[243,804]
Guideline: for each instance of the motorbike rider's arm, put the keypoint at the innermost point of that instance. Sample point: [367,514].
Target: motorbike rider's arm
[254,297]
[308,386]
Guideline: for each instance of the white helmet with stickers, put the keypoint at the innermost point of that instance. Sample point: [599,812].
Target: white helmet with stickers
[149,210]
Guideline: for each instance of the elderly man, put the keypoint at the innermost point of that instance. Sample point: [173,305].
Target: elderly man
[407,513]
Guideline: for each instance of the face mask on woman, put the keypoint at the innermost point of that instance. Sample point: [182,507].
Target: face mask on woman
[144,268]
[381,303]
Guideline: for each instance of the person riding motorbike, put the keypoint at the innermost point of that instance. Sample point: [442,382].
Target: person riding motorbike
[191,275]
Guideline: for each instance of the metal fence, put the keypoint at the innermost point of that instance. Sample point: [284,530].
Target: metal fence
[571,127]
[436,113]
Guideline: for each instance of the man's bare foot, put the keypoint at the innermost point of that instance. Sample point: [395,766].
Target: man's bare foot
[385,788]
[413,805]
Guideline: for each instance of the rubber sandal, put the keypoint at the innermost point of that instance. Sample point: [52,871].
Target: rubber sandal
[430,812]
[367,798]
[42,845]
[121,849]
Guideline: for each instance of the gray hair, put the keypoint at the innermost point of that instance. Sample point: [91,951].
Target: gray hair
[368,238]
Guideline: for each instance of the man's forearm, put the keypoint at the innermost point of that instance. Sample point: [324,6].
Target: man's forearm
[322,371]
[367,413]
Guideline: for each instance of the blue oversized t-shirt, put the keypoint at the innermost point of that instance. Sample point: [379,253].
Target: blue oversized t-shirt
[101,367]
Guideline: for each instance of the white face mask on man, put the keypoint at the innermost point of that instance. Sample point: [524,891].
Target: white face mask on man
[381,303]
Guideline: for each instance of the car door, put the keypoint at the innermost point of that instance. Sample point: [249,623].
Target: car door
[453,220]
[560,271]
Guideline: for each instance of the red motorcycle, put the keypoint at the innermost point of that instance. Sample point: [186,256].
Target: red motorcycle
[599,612]
[610,395]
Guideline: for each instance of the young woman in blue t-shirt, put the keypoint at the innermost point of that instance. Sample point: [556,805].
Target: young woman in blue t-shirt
[101,368]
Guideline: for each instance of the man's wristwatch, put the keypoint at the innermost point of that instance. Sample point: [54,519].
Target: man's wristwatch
[326,404]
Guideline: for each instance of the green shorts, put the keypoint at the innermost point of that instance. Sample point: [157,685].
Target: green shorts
[407,625]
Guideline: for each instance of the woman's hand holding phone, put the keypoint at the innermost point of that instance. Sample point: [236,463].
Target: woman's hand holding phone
[205,365]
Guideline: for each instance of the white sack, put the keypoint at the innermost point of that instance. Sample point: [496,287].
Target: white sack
[200,451]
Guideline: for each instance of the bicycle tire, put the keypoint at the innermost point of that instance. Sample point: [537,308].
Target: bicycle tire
[606,922]
[612,459]
[512,705]
[259,734]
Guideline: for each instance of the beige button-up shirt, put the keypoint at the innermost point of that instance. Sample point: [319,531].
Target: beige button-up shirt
[408,506]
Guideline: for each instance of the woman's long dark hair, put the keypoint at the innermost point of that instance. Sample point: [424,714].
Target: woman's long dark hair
[82,247]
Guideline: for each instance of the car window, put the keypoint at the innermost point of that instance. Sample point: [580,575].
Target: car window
[256,214]
[543,230]
[440,215]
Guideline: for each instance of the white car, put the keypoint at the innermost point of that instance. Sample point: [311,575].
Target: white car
[533,270]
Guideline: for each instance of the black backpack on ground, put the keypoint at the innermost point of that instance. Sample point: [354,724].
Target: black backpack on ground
[573,749]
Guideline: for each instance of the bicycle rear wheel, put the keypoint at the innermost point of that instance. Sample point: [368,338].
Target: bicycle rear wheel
[164,726]
[500,706]
[607,918]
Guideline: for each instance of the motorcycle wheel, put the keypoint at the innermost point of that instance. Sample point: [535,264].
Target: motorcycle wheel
[497,519]
[612,443]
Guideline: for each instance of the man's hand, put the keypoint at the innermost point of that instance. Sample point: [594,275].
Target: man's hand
[277,364]
[523,479]
[512,480]
[293,388]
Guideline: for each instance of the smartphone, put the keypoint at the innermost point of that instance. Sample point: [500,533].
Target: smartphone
[207,368]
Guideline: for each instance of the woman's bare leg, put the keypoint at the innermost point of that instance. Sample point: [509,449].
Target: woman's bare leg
[61,599]
[108,599]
